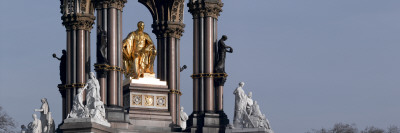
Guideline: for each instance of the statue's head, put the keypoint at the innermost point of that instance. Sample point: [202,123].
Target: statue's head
[250,94]
[64,51]
[140,25]
[182,108]
[91,74]
[34,116]
[241,84]
[44,100]
[224,37]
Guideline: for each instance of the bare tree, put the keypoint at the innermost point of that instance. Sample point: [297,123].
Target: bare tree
[372,129]
[393,129]
[7,124]
[344,128]
[351,128]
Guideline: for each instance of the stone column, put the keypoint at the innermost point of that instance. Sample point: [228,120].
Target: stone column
[168,38]
[110,13]
[78,27]
[168,27]
[100,65]
[205,15]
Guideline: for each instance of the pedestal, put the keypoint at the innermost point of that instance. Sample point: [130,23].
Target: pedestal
[207,122]
[249,130]
[85,125]
[146,100]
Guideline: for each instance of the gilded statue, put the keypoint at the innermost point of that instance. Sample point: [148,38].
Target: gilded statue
[139,53]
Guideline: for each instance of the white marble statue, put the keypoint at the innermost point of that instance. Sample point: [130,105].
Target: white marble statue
[36,125]
[184,118]
[247,111]
[94,108]
[47,122]
[78,109]
[240,105]
[92,91]
[44,111]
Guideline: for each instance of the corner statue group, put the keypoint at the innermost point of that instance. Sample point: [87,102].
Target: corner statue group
[138,53]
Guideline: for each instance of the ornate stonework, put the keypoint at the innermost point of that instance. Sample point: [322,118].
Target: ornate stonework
[78,21]
[118,4]
[168,29]
[205,9]
[136,99]
[161,101]
[170,25]
[148,100]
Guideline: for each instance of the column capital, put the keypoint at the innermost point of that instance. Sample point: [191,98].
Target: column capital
[118,4]
[205,9]
[168,29]
[78,21]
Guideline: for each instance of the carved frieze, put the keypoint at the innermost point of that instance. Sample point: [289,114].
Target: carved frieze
[147,100]
[118,4]
[78,21]
[205,9]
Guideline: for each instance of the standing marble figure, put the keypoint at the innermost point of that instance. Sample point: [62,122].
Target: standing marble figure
[240,105]
[184,118]
[44,112]
[35,125]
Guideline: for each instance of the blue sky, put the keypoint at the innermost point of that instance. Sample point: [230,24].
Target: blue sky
[309,63]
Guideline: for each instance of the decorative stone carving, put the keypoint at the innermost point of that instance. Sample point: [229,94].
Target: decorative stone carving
[63,66]
[184,117]
[160,102]
[149,100]
[94,110]
[137,99]
[78,21]
[203,8]
[247,112]
[118,4]
[47,122]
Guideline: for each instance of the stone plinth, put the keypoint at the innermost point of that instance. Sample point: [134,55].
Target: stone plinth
[85,125]
[249,130]
[146,100]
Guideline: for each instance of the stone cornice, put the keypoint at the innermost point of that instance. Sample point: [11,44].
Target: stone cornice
[78,21]
[205,9]
[118,4]
[169,29]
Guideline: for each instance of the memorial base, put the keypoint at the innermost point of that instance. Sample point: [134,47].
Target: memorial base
[249,130]
[85,125]
[146,100]
[207,123]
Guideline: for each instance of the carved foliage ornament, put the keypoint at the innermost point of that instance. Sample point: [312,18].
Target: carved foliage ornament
[172,29]
[208,9]
[177,11]
[118,4]
[78,21]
